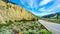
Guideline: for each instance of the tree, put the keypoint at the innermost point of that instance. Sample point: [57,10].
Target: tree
[57,16]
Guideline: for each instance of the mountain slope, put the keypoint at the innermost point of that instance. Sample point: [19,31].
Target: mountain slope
[53,16]
[10,11]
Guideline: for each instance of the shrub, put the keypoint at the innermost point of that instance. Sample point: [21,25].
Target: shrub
[32,31]
[44,31]
[33,19]
[25,32]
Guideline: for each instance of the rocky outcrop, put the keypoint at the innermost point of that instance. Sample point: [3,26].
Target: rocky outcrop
[10,11]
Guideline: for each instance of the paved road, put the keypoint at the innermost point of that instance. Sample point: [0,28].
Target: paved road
[54,27]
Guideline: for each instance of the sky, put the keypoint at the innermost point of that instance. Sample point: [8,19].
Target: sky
[39,7]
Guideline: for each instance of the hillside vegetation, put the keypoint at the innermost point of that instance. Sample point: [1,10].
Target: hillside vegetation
[52,17]
[10,11]
[15,19]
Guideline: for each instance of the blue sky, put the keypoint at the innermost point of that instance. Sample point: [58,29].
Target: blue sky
[39,7]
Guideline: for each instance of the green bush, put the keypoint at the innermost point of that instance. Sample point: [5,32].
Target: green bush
[44,31]
[25,32]
[27,27]
[32,31]
[5,30]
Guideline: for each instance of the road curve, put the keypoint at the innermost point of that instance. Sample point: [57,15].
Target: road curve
[54,27]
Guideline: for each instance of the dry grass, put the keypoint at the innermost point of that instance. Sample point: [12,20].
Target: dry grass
[10,11]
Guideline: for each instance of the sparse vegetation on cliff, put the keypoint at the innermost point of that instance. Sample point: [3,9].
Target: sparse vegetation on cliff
[15,19]
[11,11]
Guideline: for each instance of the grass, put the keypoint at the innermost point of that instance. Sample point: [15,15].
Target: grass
[23,21]
[54,20]
[30,32]
[44,31]
[11,11]
[24,27]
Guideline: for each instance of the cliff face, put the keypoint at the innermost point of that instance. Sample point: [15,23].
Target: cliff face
[10,11]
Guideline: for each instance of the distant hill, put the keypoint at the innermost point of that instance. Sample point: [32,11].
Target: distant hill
[57,15]
[11,11]
[53,16]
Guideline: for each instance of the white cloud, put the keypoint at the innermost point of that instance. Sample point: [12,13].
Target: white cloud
[45,13]
[30,2]
[42,9]
[44,2]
